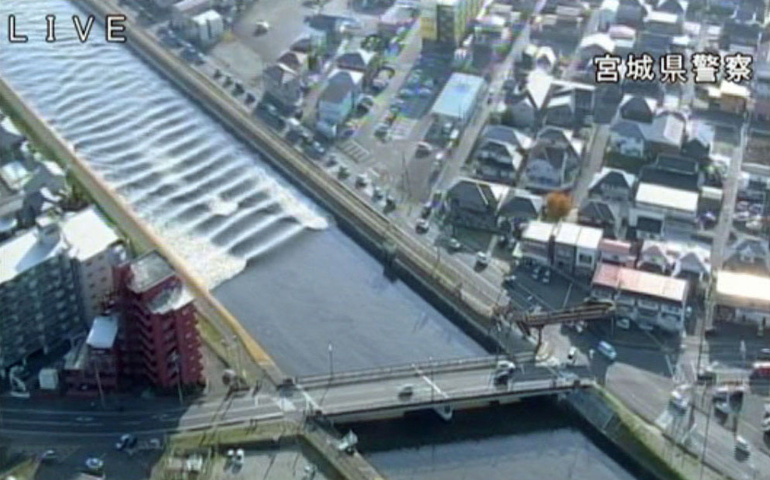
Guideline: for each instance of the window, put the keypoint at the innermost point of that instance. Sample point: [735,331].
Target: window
[585,259]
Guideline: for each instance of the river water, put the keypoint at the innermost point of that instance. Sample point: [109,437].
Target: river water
[314,298]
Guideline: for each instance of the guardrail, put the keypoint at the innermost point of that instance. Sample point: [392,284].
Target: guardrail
[580,313]
[526,388]
[396,371]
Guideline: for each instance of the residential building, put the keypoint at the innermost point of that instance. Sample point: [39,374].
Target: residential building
[526,104]
[297,62]
[684,260]
[612,185]
[553,161]
[673,171]
[338,99]
[52,282]
[602,215]
[183,12]
[459,99]
[659,211]
[536,243]
[663,23]
[664,134]
[648,298]
[742,298]
[761,93]
[594,45]
[159,338]
[677,7]
[699,139]
[445,22]
[283,86]
[93,365]
[499,152]
[94,250]
[519,207]
[748,255]
[576,249]
[617,252]
[729,97]
[359,60]
[474,204]
[630,12]
[39,293]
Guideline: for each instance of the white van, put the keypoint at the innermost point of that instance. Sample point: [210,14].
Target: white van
[607,350]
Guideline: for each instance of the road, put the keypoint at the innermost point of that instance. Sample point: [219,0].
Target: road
[47,421]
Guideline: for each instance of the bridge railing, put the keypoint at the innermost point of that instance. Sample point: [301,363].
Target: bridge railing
[520,389]
[394,371]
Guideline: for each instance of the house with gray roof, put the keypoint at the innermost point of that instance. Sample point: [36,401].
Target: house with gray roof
[553,162]
[337,100]
[283,85]
[603,215]
[474,204]
[665,133]
[526,104]
[612,185]
[519,206]
[500,152]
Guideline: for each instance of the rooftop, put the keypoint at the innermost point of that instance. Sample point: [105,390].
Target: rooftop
[578,235]
[640,282]
[538,231]
[25,252]
[88,234]
[103,332]
[149,270]
[667,197]
[746,287]
[459,95]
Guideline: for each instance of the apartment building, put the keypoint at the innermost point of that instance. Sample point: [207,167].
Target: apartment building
[52,282]
[446,22]
[742,298]
[650,299]
[158,337]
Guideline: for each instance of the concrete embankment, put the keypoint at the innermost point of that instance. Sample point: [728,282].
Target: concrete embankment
[643,443]
[356,216]
[140,235]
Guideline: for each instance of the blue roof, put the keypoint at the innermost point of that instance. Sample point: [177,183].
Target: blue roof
[459,95]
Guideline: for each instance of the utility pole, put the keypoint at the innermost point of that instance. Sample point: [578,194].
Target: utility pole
[99,383]
[331,359]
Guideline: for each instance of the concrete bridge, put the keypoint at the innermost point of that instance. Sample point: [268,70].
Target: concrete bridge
[443,386]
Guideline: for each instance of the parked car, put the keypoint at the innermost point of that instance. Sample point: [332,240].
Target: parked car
[742,445]
[623,323]
[482,259]
[261,27]
[607,350]
[423,225]
[94,464]
[454,244]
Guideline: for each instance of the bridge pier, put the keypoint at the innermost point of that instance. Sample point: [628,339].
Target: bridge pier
[446,412]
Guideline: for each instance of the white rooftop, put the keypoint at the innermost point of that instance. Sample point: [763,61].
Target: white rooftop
[538,231]
[24,252]
[208,15]
[590,238]
[567,233]
[103,332]
[84,235]
[88,234]
[667,197]
[754,289]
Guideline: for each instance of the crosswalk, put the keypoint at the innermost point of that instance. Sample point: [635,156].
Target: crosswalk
[354,150]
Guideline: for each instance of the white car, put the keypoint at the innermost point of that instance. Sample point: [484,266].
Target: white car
[742,445]
[239,456]
[505,366]
[94,463]
[262,27]
[680,399]
[406,391]
[607,350]
[482,259]
[623,323]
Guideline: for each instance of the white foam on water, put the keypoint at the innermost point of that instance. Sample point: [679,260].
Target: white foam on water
[210,198]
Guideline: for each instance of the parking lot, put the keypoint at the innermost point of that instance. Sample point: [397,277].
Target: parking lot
[117,465]
[283,464]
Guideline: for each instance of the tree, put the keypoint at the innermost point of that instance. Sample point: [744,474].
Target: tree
[558,205]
